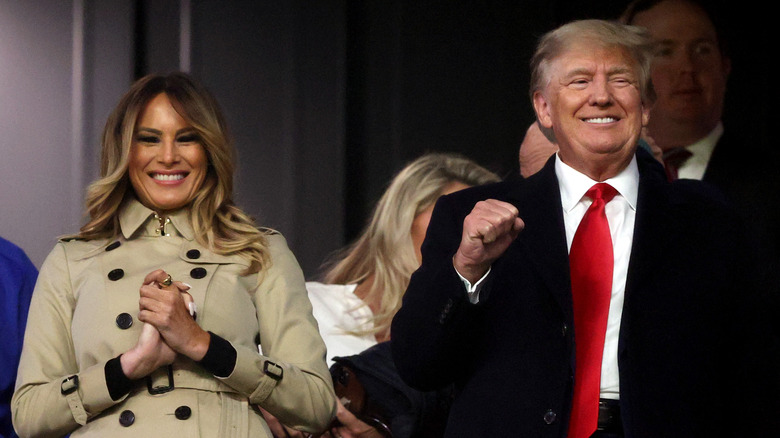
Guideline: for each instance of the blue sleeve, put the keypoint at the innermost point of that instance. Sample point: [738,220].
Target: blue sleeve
[17,281]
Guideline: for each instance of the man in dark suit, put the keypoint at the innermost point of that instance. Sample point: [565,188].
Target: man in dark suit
[594,298]
[691,68]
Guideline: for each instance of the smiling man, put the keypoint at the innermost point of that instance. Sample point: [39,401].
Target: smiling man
[594,298]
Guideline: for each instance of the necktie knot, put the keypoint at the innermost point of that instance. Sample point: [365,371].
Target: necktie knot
[673,159]
[602,191]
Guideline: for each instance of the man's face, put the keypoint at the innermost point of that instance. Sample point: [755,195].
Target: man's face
[593,104]
[689,72]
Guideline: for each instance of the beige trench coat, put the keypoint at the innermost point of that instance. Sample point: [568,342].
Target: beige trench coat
[84,312]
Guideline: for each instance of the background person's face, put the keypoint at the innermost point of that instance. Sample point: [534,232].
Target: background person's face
[689,72]
[167,162]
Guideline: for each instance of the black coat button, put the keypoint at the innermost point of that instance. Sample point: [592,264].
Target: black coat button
[183,412]
[564,329]
[126,418]
[193,254]
[550,416]
[113,246]
[124,321]
[198,273]
[116,274]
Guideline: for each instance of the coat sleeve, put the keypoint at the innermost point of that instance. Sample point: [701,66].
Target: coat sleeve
[436,322]
[290,378]
[39,408]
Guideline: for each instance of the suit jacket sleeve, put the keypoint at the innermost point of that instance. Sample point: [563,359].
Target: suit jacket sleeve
[436,322]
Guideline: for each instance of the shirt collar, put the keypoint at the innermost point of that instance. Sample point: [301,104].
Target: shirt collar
[134,216]
[574,185]
[702,149]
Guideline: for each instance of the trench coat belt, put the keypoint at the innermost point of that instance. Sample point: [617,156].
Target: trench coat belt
[185,378]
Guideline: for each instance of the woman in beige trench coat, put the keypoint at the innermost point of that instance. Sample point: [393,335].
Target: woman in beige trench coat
[147,323]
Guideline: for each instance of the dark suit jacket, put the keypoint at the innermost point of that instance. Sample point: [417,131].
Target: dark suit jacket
[689,359]
[749,176]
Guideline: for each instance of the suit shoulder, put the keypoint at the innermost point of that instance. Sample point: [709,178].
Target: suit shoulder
[698,192]
[472,195]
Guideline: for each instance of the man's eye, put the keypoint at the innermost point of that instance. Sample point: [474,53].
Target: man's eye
[704,49]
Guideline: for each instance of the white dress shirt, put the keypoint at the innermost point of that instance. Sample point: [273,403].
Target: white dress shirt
[621,215]
[694,167]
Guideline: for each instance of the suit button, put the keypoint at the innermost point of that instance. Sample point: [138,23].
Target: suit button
[198,273]
[126,418]
[113,246]
[564,329]
[193,254]
[124,321]
[183,412]
[116,274]
[550,416]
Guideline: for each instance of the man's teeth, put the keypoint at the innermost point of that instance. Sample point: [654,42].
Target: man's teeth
[174,177]
[601,120]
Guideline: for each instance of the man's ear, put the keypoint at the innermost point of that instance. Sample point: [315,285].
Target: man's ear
[542,108]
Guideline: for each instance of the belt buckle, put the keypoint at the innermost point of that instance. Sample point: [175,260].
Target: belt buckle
[155,390]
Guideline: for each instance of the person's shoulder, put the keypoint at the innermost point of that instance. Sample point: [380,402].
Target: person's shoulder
[331,293]
[76,248]
[697,192]
[496,190]
[329,289]
[13,255]
[11,250]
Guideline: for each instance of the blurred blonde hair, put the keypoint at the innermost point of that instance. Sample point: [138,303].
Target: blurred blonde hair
[218,223]
[385,249]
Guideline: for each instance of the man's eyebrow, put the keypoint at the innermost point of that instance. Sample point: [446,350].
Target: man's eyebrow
[619,70]
[578,72]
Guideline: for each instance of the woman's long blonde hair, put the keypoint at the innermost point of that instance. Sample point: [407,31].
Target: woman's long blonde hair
[218,223]
[385,249]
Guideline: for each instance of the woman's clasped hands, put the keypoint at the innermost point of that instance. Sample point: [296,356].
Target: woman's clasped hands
[168,312]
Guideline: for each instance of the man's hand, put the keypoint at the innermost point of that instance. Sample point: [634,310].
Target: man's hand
[487,232]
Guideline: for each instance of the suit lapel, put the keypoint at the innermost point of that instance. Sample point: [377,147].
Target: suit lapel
[544,236]
[654,229]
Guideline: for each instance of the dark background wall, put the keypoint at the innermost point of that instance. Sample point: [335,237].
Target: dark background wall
[326,100]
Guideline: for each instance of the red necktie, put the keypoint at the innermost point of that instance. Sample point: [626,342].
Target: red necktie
[591,262]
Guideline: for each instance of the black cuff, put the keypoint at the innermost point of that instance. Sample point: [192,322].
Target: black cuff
[117,382]
[220,358]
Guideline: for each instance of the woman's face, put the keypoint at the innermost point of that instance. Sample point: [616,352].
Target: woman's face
[167,161]
[421,221]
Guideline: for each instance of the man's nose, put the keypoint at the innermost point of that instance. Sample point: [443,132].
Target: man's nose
[600,92]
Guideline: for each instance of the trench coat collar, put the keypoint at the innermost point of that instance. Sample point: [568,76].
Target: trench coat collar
[137,219]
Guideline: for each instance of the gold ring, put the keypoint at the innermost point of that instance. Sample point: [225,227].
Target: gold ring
[168,280]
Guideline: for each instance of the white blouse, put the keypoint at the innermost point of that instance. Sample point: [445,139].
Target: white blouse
[338,311]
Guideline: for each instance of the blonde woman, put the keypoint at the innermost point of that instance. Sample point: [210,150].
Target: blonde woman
[363,287]
[146,323]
